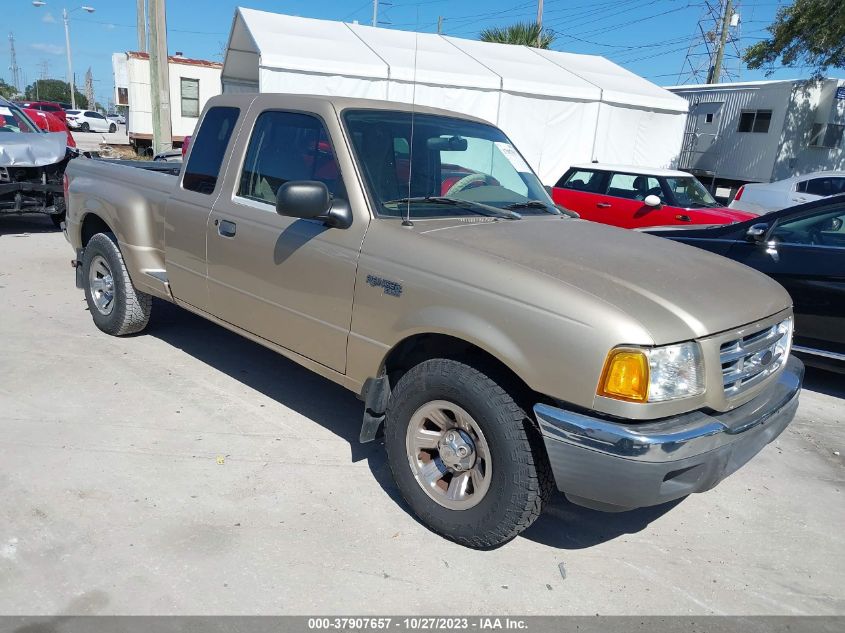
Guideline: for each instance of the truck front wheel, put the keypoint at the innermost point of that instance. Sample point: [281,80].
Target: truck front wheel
[465,455]
[116,306]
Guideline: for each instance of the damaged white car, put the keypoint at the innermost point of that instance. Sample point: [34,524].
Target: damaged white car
[32,166]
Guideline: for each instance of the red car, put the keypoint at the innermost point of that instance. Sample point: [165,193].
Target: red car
[45,106]
[633,197]
[49,123]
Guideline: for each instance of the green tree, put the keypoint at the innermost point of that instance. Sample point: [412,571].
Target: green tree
[522,33]
[806,33]
[7,91]
[54,90]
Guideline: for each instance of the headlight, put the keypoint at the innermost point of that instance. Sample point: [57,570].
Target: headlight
[653,374]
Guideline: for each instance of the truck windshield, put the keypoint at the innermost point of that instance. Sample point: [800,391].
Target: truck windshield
[441,166]
[690,193]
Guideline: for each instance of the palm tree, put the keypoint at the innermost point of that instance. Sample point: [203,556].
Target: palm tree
[521,33]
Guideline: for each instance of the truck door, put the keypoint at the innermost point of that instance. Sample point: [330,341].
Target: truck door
[188,209]
[287,280]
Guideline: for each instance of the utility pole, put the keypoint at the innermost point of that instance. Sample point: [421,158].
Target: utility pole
[159,78]
[716,68]
[375,12]
[13,66]
[539,22]
[439,24]
[141,17]
[69,63]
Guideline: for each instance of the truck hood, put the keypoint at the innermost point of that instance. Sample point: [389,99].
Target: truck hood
[676,292]
[32,149]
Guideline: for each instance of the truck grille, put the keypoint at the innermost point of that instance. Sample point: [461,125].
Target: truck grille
[748,360]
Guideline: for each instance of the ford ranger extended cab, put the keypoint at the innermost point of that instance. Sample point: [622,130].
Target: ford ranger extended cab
[411,255]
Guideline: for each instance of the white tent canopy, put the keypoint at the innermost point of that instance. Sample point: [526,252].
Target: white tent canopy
[558,108]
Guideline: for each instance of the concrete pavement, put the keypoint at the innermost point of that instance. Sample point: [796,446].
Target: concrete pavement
[93,141]
[187,470]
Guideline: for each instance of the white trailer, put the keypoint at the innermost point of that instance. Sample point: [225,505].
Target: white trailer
[192,83]
[558,108]
[762,131]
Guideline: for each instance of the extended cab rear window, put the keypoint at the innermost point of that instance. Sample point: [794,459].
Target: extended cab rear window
[209,147]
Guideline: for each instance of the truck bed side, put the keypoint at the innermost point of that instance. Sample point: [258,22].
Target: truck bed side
[131,203]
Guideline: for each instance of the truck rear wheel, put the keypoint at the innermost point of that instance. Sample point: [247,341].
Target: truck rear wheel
[465,455]
[116,306]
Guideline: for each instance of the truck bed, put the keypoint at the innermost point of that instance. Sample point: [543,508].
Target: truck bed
[163,167]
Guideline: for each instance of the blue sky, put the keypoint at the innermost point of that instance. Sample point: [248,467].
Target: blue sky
[649,37]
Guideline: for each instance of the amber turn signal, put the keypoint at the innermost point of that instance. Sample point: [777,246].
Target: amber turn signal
[625,376]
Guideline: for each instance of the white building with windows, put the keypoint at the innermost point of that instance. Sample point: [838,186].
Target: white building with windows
[192,83]
[762,131]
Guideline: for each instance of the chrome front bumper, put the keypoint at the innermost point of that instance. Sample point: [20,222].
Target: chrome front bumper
[616,465]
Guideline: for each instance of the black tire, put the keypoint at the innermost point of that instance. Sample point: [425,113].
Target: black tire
[57,219]
[521,480]
[131,308]
[84,127]
[112,128]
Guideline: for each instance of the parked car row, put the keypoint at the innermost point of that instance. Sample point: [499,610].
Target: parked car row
[82,120]
[89,121]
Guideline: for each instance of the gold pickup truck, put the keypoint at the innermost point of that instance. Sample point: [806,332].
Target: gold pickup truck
[501,347]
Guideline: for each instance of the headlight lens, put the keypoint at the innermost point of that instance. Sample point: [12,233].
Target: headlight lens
[653,374]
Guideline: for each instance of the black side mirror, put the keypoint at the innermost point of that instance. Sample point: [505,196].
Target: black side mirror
[310,199]
[339,216]
[303,199]
[756,232]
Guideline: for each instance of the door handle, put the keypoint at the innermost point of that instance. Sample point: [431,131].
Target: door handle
[683,218]
[603,205]
[226,228]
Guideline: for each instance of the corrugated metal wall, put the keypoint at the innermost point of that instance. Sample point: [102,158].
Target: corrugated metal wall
[718,146]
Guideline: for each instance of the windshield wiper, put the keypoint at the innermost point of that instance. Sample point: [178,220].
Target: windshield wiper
[478,207]
[532,204]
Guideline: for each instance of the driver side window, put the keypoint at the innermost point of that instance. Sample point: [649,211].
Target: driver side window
[287,146]
[812,229]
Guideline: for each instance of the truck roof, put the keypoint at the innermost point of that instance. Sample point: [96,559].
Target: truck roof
[340,103]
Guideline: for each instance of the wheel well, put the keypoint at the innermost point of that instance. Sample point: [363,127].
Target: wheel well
[91,225]
[421,347]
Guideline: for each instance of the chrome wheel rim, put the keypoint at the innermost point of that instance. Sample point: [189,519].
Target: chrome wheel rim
[449,455]
[101,283]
